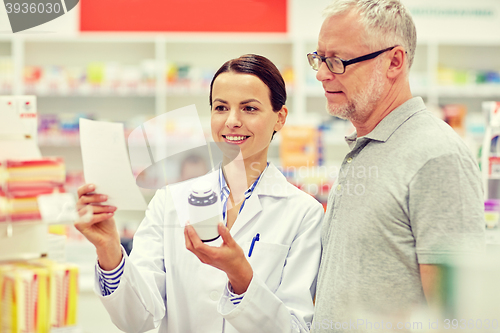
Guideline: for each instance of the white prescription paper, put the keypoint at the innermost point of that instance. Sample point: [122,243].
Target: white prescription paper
[106,164]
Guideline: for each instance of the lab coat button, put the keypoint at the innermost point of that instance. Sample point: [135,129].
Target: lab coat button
[214,296]
[349,160]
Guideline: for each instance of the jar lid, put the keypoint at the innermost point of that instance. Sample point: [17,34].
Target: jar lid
[201,188]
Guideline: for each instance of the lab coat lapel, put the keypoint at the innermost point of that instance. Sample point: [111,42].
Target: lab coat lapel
[273,184]
[251,209]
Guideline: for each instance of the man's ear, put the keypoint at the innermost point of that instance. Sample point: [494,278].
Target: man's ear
[399,58]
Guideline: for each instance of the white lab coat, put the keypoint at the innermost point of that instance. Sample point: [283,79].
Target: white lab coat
[163,283]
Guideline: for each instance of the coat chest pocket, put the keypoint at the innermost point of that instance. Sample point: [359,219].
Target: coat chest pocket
[268,261]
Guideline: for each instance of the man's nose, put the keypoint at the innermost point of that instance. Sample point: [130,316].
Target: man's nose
[324,73]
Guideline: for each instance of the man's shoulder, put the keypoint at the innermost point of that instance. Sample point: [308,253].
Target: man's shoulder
[426,133]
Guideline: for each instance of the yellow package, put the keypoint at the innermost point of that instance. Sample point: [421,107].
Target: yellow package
[8,309]
[32,298]
[63,292]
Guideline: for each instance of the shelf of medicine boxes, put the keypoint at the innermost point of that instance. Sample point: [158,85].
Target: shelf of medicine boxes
[152,53]
[82,94]
[469,70]
[204,56]
[210,50]
[203,53]
[107,102]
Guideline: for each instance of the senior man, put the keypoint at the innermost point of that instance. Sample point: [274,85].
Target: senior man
[408,195]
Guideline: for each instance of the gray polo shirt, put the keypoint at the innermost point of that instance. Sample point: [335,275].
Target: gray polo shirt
[408,193]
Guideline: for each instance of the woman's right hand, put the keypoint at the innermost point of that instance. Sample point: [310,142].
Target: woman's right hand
[100,230]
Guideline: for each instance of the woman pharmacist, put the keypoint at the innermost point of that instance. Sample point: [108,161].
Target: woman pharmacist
[173,279]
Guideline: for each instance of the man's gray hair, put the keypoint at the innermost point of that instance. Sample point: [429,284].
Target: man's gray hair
[387,23]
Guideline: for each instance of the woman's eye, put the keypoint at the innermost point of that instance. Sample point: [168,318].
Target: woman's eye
[220,108]
[250,108]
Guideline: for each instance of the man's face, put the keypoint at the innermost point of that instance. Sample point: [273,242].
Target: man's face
[354,94]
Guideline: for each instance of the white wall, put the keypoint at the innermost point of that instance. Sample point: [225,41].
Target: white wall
[432,18]
[479,20]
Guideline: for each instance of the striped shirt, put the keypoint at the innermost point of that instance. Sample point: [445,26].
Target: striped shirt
[109,280]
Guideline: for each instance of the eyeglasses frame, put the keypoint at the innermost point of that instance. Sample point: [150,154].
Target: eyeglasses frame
[346,63]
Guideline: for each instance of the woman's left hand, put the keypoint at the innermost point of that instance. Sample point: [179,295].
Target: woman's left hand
[229,257]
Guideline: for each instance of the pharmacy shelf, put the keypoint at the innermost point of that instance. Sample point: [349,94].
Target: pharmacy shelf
[206,52]
[474,91]
[86,91]
[286,50]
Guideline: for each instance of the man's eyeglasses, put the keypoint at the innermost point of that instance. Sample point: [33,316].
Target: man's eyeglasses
[337,65]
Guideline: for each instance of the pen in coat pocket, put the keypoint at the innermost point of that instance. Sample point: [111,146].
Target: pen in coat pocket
[256,238]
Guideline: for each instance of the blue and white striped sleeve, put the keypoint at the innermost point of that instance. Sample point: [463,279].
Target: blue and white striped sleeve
[109,280]
[234,298]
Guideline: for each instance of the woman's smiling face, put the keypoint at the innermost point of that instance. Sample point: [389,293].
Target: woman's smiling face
[242,114]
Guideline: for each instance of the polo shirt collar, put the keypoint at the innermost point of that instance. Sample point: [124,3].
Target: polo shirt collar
[387,126]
